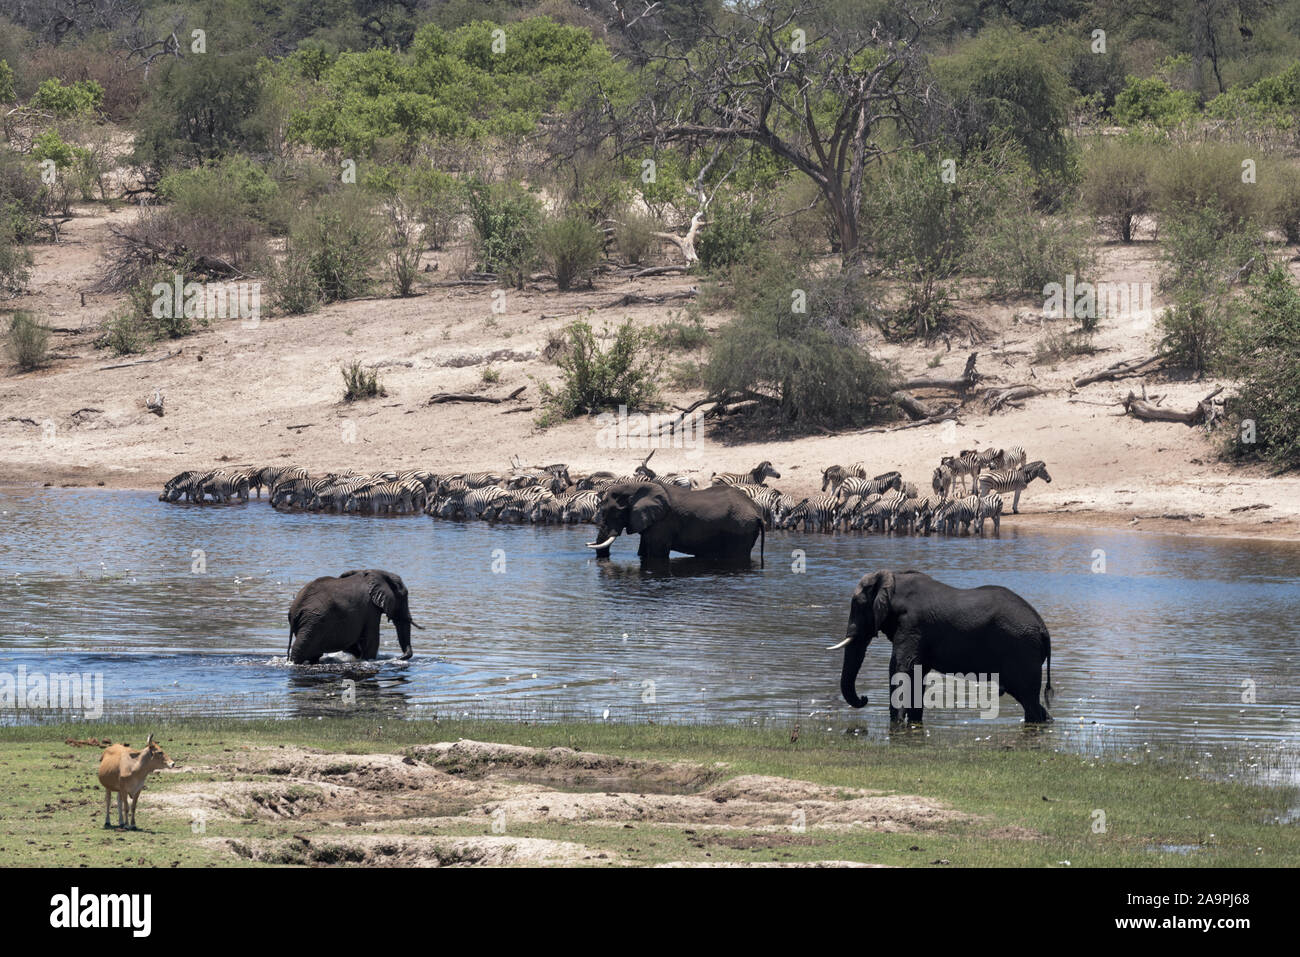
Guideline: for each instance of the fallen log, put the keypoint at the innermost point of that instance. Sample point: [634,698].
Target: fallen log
[636,299]
[1121,370]
[522,408]
[470,397]
[968,379]
[913,407]
[660,271]
[1203,414]
[947,415]
[140,362]
[1010,395]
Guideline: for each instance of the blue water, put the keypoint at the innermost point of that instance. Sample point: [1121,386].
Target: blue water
[1158,651]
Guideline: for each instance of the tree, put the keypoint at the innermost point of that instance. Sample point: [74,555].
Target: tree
[819,100]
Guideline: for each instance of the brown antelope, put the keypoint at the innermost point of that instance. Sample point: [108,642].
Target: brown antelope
[124,771]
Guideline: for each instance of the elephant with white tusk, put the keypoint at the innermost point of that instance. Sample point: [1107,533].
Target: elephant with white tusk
[342,614]
[989,630]
[719,523]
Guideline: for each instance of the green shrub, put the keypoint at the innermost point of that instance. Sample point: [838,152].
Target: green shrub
[1194,332]
[432,197]
[201,107]
[7,94]
[1282,179]
[733,234]
[219,209]
[1267,364]
[27,342]
[809,365]
[341,242]
[1152,101]
[1059,346]
[360,382]
[1021,252]
[84,96]
[15,262]
[1117,186]
[23,197]
[595,379]
[1205,250]
[294,287]
[635,236]
[122,333]
[571,248]
[1207,176]
[506,218]
[683,336]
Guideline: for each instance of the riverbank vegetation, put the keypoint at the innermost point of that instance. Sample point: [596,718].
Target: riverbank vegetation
[930,159]
[259,791]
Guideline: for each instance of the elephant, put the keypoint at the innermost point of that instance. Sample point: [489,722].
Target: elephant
[719,523]
[984,630]
[342,614]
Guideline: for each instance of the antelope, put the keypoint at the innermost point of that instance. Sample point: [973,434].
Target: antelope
[124,771]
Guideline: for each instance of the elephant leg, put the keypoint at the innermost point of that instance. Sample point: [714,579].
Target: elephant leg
[895,714]
[1025,692]
[369,643]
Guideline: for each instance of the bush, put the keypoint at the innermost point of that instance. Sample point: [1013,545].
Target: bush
[294,288]
[1206,176]
[683,336]
[201,107]
[84,96]
[571,248]
[506,218]
[1267,363]
[432,197]
[733,234]
[15,262]
[1117,186]
[1152,101]
[23,197]
[1283,179]
[595,379]
[1194,331]
[360,382]
[1021,252]
[218,209]
[122,333]
[635,236]
[1061,346]
[27,341]
[809,364]
[340,240]
[1206,250]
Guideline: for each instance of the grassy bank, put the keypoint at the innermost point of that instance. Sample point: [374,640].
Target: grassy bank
[999,807]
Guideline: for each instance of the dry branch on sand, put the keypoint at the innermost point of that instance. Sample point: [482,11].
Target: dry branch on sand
[470,397]
[1205,413]
[1121,370]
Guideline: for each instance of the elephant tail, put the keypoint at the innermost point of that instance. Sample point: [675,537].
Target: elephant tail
[762,543]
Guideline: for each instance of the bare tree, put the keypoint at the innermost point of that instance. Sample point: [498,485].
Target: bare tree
[817,100]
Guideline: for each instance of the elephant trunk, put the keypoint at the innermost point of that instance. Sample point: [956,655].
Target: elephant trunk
[404,636]
[860,633]
[604,539]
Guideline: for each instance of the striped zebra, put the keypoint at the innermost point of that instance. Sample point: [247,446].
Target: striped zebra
[475,480]
[1012,457]
[398,496]
[964,463]
[477,501]
[896,508]
[581,508]
[956,514]
[943,479]
[294,493]
[817,513]
[176,486]
[833,476]
[873,486]
[990,508]
[223,485]
[757,475]
[767,499]
[925,512]
[1014,480]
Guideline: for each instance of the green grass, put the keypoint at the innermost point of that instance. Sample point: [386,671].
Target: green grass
[1032,808]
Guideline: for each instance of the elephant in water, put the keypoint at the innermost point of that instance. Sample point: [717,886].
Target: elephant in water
[988,630]
[719,523]
[342,614]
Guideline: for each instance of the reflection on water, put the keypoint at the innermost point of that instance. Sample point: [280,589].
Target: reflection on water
[186,606]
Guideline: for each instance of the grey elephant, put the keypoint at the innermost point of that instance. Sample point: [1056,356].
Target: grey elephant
[342,614]
[719,523]
[985,630]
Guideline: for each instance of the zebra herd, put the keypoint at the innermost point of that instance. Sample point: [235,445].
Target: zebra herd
[550,495]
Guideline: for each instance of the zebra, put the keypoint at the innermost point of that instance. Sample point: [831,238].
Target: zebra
[1012,457]
[990,508]
[763,470]
[221,485]
[581,508]
[176,486]
[478,479]
[943,479]
[768,499]
[925,512]
[894,508]
[956,514]
[964,463]
[865,486]
[816,513]
[835,474]
[479,500]
[1014,480]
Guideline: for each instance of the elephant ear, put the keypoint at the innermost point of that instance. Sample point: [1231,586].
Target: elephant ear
[383,595]
[884,595]
[647,508]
